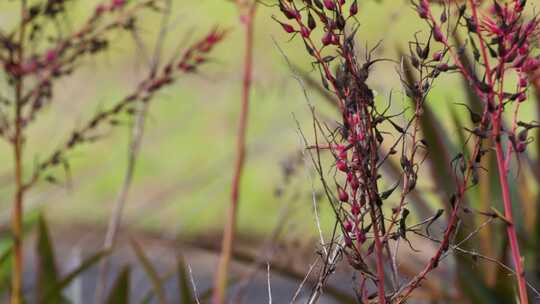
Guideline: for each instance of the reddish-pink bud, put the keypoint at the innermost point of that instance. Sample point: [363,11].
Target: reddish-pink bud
[443,67]
[437,56]
[51,56]
[290,13]
[335,39]
[118,3]
[100,9]
[530,65]
[342,166]
[327,38]
[329,4]
[354,184]
[523,50]
[343,196]
[523,82]
[355,209]
[305,32]
[353,10]
[361,237]
[287,27]
[423,9]
[348,226]
[522,97]
[348,241]
[437,34]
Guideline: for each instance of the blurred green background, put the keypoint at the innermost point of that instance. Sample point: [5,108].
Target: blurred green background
[184,172]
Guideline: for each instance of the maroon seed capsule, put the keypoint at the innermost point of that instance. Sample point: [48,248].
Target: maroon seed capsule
[355,210]
[437,34]
[354,184]
[361,237]
[329,4]
[327,38]
[443,67]
[342,166]
[288,28]
[118,3]
[305,32]
[311,22]
[343,196]
[353,10]
[443,17]
[100,9]
[348,226]
[523,82]
[335,39]
[522,97]
[348,241]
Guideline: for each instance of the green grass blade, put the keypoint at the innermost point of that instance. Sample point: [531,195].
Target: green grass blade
[119,293]
[150,271]
[47,271]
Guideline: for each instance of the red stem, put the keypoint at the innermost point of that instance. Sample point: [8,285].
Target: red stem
[379,257]
[502,168]
[510,227]
[230,225]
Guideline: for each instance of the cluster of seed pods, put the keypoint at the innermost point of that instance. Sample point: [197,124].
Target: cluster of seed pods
[356,152]
[356,147]
[506,50]
[332,16]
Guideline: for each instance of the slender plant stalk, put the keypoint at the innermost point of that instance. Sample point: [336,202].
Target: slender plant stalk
[230,224]
[17,218]
[510,227]
[137,134]
[116,216]
[502,168]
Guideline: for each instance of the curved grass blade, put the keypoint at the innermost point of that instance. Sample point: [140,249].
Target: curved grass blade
[150,271]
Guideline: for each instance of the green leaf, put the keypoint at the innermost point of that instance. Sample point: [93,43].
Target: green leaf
[5,268]
[150,271]
[472,285]
[65,281]
[47,271]
[6,244]
[119,293]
